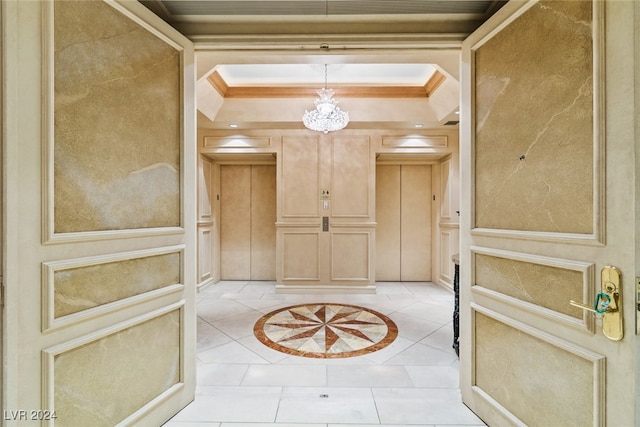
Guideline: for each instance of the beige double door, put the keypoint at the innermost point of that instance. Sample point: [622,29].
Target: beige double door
[403,216]
[247,222]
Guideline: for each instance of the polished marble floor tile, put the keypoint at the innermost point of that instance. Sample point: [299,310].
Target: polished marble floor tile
[407,406]
[215,374]
[232,404]
[242,382]
[368,376]
[433,376]
[230,352]
[286,375]
[327,405]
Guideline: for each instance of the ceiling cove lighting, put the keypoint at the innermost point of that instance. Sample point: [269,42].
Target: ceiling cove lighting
[327,116]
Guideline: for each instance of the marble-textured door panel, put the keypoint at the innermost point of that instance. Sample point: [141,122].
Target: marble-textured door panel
[82,288]
[540,383]
[104,381]
[547,286]
[116,122]
[534,117]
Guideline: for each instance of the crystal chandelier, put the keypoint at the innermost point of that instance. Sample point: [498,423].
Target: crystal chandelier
[327,116]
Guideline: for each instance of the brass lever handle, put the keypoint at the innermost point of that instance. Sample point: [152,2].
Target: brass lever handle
[583,306]
[601,305]
[608,303]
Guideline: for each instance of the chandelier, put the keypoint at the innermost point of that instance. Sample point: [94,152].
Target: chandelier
[327,116]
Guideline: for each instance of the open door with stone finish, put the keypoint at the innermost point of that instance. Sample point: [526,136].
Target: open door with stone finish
[99,225]
[547,204]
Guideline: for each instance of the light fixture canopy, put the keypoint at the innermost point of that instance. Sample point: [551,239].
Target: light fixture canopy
[327,116]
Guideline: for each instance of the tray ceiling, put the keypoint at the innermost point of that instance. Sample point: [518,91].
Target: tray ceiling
[262,51]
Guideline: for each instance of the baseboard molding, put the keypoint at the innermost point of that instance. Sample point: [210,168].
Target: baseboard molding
[315,289]
[203,285]
[445,285]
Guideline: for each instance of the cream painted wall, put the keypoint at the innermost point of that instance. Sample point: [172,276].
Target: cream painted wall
[343,258]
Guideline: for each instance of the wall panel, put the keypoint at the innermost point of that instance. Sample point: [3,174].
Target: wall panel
[300,256]
[205,255]
[204,189]
[446,264]
[300,177]
[351,177]
[350,256]
[446,208]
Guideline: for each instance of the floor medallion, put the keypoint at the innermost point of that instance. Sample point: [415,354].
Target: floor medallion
[325,330]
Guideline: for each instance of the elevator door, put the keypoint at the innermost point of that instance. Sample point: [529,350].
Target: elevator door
[247,222]
[403,215]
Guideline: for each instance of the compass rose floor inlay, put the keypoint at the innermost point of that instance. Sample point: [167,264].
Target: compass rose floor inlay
[325,330]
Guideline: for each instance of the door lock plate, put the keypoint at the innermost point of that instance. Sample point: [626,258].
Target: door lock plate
[637,305]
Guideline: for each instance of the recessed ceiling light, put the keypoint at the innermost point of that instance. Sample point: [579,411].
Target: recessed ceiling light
[233,125]
[458,112]
[418,125]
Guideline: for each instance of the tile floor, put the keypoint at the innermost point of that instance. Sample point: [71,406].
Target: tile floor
[244,383]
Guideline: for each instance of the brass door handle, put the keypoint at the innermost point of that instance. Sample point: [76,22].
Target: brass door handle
[608,302]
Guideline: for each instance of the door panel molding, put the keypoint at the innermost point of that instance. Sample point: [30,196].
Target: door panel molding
[351,180]
[301,255]
[597,236]
[49,270]
[51,354]
[157,170]
[299,173]
[595,361]
[446,243]
[588,286]
[346,248]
